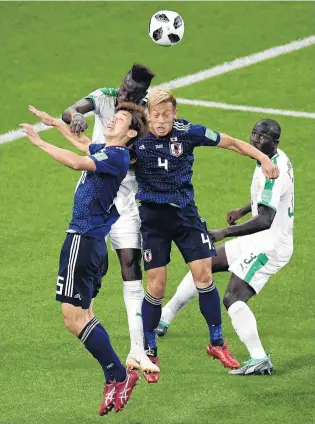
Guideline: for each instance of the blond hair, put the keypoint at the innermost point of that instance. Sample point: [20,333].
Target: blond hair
[161,95]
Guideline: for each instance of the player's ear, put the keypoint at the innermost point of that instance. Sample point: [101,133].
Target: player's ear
[175,113]
[132,133]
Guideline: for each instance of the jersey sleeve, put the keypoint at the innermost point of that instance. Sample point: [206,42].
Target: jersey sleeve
[270,193]
[99,95]
[94,148]
[108,163]
[203,136]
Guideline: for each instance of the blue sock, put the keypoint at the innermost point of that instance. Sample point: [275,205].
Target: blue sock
[96,341]
[151,314]
[210,307]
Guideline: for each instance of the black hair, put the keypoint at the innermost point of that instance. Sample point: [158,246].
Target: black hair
[139,120]
[142,74]
[269,126]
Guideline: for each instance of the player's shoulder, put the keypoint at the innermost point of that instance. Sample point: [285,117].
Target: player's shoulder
[181,125]
[111,92]
[184,126]
[282,160]
[116,151]
[104,92]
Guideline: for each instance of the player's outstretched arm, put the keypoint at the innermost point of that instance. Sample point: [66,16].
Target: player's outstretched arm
[81,142]
[259,223]
[65,157]
[235,214]
[73,115]
[269,169]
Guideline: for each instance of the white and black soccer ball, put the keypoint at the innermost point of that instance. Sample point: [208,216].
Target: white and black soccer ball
[166,28]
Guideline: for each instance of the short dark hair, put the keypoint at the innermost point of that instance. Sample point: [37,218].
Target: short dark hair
[270,127]
[139,120]
[142,74]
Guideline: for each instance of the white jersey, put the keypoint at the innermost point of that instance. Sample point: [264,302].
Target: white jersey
[277,194]
[104,106]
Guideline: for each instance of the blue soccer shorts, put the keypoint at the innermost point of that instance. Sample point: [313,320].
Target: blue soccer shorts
[161,224]
[83,263]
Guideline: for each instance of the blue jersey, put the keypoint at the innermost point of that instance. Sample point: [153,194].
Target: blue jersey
[164,164]
[93,211]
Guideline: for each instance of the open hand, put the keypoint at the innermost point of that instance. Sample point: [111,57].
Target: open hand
[43,116]
[32,134]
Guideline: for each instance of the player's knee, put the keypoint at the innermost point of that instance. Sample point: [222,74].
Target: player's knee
[156,285]
[130,264]
[131,271]
[74,318]
[203,276]
[70,323]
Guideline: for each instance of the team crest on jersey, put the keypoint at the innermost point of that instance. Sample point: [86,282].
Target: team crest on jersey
[176,148]
[147,255]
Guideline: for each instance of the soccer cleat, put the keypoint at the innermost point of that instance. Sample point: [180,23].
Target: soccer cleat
[255,367]
[108,401]
[153,357]
[161,329]
[124,390]
[224,355]
[151,371]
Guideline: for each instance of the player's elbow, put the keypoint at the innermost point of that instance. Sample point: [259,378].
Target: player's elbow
[83,163]
[79,164]
[66,116]
[265,222]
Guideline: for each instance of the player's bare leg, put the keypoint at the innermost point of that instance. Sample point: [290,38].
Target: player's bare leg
[187,291]
[210,307]
[235,301]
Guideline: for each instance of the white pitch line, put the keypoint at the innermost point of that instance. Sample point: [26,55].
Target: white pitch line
[239,63]
[269,111]
[202,75]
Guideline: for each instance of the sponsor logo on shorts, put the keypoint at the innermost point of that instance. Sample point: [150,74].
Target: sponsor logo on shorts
[147,255]
[77,296]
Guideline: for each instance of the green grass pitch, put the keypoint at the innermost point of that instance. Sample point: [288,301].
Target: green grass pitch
[53,53]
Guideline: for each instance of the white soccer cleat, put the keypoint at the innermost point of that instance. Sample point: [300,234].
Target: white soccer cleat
[254,367]
[142,362]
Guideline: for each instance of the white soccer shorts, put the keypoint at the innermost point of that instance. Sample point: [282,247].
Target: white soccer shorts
[125,233]
[248,261]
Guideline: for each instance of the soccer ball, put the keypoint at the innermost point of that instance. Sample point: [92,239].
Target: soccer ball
[166,28]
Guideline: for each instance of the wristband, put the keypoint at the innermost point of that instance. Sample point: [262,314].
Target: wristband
[76,113]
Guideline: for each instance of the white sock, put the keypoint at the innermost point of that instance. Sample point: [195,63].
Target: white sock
[133,297]
[185,292]
[244,323]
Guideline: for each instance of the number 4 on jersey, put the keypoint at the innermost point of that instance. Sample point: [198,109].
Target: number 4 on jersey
[206,239]
[163,164]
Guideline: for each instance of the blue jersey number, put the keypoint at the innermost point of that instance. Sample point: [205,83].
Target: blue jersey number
[163,164]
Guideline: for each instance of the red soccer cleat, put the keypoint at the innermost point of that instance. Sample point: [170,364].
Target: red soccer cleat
[222,353]
[124,390]
[108,401]
[152,377]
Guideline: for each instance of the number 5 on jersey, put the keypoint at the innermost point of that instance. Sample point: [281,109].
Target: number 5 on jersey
[163,164]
